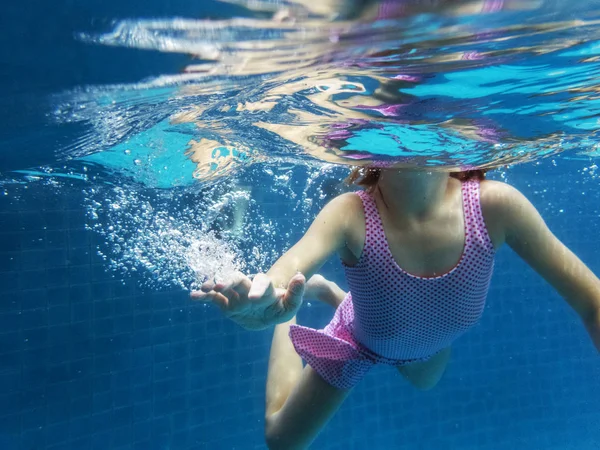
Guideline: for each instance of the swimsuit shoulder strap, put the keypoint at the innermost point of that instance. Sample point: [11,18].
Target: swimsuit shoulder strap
[374,233]
[476,230]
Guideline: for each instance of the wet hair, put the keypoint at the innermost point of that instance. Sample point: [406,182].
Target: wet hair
[368,177]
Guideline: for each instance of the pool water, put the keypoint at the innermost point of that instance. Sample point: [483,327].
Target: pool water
[126,178]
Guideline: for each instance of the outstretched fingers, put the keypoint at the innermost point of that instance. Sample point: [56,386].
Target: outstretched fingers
[211,297]
[294,294]
[262,288]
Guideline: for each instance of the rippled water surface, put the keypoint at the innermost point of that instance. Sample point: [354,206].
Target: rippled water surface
[284,84]
[448,84]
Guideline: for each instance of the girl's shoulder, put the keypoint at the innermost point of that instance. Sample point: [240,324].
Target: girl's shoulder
[497,196]
[346,208]
[347,212]
[349,201]
[501,203]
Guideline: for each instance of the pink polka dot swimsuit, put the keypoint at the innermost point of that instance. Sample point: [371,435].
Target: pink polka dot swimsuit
[396,318]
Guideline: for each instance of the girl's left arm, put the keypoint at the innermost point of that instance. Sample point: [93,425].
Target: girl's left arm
[527,234]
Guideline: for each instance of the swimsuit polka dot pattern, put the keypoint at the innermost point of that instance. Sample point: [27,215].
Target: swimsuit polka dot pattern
[393,317]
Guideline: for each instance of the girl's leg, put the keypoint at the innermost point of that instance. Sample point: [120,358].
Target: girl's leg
[324,290]
[299,401]
[425,375]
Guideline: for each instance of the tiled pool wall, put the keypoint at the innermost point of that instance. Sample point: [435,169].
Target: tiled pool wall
[87,362]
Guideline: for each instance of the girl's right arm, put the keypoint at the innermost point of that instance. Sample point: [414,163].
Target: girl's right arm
[276,296]
[327,235]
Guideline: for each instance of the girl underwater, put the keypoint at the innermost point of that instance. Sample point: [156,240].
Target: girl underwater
[418,253]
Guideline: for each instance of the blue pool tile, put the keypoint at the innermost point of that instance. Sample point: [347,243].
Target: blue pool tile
[102,402]
[80,312]
[33,259]
[124,306]
[140,338]
[10,221]
[101,273]
[103,308]
[10,381]
[141,432]
[31,240]
[56,239]
[55,220]
[33,397]
[160,335]
[81,407]
[79,274]
[33,419]
[33,279]
[161,389]
[122,398]
[33,439]
[81,367]
[144,444]
[58,373]
[80,237]
[80,426]
[59,315]
[124,290]
[57,276]
[10,242]
[101,291]
[9,403]
[142,411]
[101,439]
[8,282]
[34,318]
[58,412]
[160,426]
[10,342]
[10,261]
[80,256]
[104,327]
[10,321]
[82,443]
[122,436]
[123,415]
[35,338]
[56,257]
[58,295]
[123,324]
[75,217]
[61,334]
[31,220]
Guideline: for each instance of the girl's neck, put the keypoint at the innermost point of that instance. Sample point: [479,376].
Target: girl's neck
[412,194]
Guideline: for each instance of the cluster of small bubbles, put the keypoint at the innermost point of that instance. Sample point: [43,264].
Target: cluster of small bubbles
[313,188]
[591,171]
[202,254]
[180,238]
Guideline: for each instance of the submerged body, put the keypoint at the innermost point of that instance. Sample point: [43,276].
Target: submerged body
[431,227]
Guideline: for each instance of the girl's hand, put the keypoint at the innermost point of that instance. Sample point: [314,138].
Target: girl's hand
[256,304]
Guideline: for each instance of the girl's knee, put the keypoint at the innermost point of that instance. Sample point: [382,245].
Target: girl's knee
[426,375]
[271,438]
[275,438]
[425,383]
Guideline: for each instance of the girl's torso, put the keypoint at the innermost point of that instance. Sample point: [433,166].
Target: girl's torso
[415,288]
